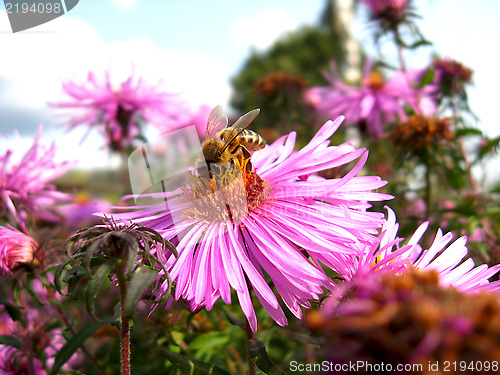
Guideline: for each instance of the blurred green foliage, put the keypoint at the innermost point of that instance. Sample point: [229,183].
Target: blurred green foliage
[300,57]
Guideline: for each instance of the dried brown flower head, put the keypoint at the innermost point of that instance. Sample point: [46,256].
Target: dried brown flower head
[410,319]
[452,75]
[421,132]
[274,83]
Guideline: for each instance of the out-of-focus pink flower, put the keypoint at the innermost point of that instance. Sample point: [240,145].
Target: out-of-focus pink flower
[415,208]
[35,328]
[15,362]
[377,102]
[16,248]
[445,258]
[421,99]
[452,76]
[42,341]
[284,222]
[389,13]
[119,112]
[24,187]
[79,214]
[183,117]
[477,235]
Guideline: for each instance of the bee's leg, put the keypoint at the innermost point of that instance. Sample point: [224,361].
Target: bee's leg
[246,156]
[216,172]
[203,171]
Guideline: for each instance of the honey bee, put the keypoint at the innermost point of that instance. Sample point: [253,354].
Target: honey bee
[223,144]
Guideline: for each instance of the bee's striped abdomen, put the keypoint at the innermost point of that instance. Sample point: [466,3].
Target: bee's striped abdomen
[251,140]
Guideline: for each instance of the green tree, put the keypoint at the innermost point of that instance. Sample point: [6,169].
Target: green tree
[302,56]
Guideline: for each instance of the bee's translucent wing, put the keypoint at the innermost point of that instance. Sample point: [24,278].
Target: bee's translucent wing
[245,120]
[217,121]
[237,128]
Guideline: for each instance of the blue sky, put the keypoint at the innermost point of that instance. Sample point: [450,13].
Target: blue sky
[199,26]
[195,46]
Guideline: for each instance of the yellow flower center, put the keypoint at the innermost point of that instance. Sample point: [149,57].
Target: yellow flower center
[229,192]
[375,81]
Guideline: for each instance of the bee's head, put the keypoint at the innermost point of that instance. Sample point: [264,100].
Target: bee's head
[211,150]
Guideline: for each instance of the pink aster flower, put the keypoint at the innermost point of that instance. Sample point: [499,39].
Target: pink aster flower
[16,248]
[182,117]
[376,103]
[449,260]
[422,100]
[119,112]
[25,188]
[279,221]
[79,213]
[15,361]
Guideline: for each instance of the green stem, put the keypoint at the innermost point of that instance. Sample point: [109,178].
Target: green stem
[402,63]
[125,322]
[31,357]
[468,167]
[249,336]
[64,318]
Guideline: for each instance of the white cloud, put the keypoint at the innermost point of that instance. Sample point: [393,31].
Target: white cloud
[34,62]
[200,78]
[261,30]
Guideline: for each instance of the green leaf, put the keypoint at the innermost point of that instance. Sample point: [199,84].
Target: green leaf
[258,352]
[11,341]
[177,337]
[94,285]
[116,320]
[28,287]
[13,311]
[420,42]
[468,131]
[490,145]
[493,213]
[171,247]
[209,340]
[132,251]
[57,276]
[232,319]
[89,253]
[73,276]
[455,177]
[142,278]
[427,78]
[72,345]
[193,366]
